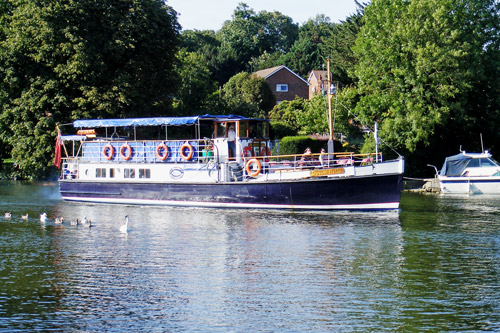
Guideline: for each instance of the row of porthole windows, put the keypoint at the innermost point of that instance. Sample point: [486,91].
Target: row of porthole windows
[127,172]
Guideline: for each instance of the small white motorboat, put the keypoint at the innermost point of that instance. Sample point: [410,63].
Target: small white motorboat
[470,173]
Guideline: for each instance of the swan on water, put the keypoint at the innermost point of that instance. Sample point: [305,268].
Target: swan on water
[59,220]
[24,217]
[8,215]
[124,228]
[43,217]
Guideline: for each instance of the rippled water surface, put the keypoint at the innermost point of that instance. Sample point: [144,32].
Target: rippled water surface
[434,265]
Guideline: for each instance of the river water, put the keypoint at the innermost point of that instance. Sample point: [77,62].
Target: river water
[433,265]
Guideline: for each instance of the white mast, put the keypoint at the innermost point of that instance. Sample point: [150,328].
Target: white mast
[330,117]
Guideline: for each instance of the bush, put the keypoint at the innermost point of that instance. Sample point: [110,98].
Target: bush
[291,145]
[280,130]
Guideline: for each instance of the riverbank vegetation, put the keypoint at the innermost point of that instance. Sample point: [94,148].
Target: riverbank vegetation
[427,71]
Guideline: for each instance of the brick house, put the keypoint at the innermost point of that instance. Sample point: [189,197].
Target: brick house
[317,83]
[284,83]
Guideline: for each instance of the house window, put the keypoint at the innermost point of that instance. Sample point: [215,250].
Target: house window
[282,87]
[144,173]
[100,173]
[129,173]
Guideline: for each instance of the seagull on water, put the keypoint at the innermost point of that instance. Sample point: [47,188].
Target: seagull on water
[43,217]
[124,228]
[74,222]
[8,215]
[85,221]
[59,220]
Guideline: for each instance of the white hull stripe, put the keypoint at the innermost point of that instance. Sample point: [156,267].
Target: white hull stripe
[372,206]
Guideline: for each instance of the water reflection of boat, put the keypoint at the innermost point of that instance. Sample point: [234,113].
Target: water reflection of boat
[118,162]
[475,173]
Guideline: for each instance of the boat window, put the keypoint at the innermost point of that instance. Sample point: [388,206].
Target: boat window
[100,173]
[144,173]
[265,130]
[220,130]
[473,163]
[243,129]
[259,130]
[111,173]
[254,130]
[129,173]
[487,163]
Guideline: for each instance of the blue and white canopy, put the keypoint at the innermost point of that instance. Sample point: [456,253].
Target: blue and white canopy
[156,121]
[455,165]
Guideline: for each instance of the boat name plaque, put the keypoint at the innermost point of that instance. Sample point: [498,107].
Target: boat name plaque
[318,173]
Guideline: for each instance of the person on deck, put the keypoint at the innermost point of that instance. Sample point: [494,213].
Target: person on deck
[307,157]
[322,156]
[231,141]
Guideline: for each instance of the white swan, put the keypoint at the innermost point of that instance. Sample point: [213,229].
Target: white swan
[43,217]
[85,221]
[124,228]
[59,220]
[74,222]
[24,217]
[8,215]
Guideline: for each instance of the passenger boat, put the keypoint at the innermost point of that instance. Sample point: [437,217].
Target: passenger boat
[186,161]
[470,173]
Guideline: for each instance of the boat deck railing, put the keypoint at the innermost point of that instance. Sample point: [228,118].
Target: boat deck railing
[271,164]
[150,151]
[203,151]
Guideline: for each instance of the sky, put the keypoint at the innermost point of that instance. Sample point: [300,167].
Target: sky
[211,14]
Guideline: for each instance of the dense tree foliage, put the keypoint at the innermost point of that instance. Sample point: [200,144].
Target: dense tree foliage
[425,67]
[248,95]
[338,46]
[242,40]
[311,116]
[306,53]
[196,93]
[62,60]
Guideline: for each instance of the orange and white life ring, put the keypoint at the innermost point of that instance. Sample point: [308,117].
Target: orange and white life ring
[247,152]
[108,151]
[162,147]
[190,151]
[251,169]
[126,147]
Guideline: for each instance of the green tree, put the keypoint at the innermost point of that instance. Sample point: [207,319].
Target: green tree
[306,117]
[338,46]
[61,60]
[314,118]
[265,60]
[287,113]
[250,34]
[247,95]
[220,63]
[196,93]
[419,62]
[306,53]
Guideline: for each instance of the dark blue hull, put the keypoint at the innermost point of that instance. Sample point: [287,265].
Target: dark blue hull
[371,192]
